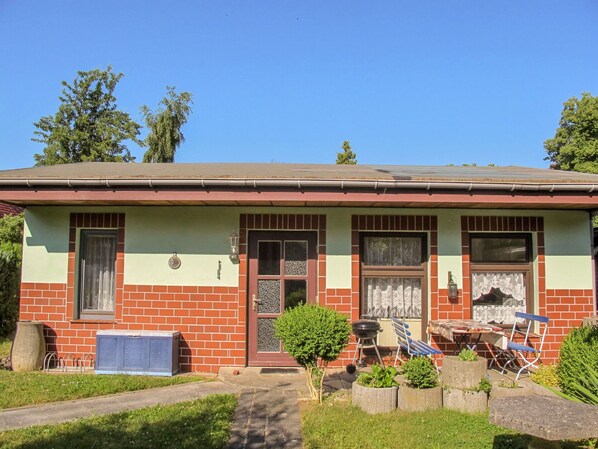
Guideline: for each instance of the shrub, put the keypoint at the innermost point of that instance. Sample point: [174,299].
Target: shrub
[380,377]
[11,237]
[578,365]
[467,355]
[314,336]
[420,373]
[546,375]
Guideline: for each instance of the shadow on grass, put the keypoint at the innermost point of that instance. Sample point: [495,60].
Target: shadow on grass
[522,442]
[197,424]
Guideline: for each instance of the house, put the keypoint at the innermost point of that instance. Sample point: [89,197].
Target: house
[154,247]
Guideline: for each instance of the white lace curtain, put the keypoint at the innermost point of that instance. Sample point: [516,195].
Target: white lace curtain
[393,297]
[99,277]
[498,295]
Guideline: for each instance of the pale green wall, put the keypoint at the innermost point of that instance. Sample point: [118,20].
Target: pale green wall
[199,235]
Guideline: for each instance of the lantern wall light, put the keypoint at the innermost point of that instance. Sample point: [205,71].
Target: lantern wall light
[452,287]
[234,247]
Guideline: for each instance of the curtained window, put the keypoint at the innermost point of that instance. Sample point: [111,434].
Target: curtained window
[392,269]
[500,277]
[97,273]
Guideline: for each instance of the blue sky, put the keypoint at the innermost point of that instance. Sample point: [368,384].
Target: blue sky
[420,82]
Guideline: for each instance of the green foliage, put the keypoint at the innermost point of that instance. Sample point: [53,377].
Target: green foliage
[311,333]
[88,127]
[164,126]
[21,389]
[420,373]
[546,375]
[203,423]
[380,377]
[575,144]
[11,237]
[468,355]
[578,365]
[347,156]
[485,385]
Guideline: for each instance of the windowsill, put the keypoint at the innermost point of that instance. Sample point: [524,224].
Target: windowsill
[94,321]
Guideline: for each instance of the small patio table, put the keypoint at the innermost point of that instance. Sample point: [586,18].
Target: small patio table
[469,333]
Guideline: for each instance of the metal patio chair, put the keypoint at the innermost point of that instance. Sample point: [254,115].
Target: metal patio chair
[524,345]
[414,348]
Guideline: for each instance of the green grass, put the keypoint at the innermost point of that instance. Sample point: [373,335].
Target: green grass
[342,426]
[19,389]
[203,423]
[5,344]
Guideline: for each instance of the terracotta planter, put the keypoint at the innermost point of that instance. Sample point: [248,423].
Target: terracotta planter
[374,400]
[466,401]
[29,348]
[419,400]
[463,375]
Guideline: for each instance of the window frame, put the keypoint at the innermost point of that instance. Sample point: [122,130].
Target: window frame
[91,314]
[379,271]
[501,267]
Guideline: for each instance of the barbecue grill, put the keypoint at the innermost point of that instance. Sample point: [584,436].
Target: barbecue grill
[365,332]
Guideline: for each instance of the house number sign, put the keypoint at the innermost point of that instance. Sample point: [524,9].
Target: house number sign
[174,262]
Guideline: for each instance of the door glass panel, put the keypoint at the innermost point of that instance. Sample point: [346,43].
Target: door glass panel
[499,249]
[294,293]
[269,258]
[268,292]
[399,297]
[266,341]
[393,251]
[295,258]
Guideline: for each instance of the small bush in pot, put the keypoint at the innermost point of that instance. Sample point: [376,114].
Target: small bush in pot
[380,377]
[420,373]
[467,355]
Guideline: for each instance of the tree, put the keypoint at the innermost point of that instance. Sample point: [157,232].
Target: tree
[88,127]
[164,126]
[575,144]
[347,156]
[11,237]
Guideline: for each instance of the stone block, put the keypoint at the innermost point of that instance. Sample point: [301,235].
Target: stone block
[419,400]
[466,401]
[374,400]
[463,375]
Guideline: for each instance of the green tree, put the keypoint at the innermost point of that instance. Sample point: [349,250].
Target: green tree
[575,144]
[164,126]
[11,237]
[347,156]
[88,127]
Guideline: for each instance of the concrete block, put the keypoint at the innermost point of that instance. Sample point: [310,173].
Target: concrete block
[466,401]
[419,400]
[463,375]
[374,400]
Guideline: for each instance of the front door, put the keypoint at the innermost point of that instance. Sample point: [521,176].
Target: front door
[282,274]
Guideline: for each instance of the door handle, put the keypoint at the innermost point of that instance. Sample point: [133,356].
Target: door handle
[255,302]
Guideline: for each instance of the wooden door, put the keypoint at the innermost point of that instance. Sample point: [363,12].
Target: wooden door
[282,274]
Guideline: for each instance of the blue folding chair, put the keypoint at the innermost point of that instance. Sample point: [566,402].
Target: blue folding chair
[414,348]
[524,345]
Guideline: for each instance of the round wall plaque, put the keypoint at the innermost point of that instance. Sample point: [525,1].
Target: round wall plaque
[174,262]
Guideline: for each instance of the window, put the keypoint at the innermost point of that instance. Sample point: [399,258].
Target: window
[393,273]
[500,277]
[97,274]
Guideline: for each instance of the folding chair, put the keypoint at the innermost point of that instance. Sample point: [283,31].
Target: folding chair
[521,346]
[414,348]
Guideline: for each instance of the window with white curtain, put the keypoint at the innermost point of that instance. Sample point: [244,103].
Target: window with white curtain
[500,277]
[392,270]
[97,274]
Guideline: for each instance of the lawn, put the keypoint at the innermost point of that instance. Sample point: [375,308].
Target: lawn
[203,423]
[19,389]
[342,426]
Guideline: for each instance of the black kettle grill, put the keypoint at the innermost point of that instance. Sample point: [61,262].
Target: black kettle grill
[366,331]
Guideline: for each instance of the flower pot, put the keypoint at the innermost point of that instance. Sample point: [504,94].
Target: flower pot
[467,401]
[29,347]
[374,400]
[419,400]
[464,375]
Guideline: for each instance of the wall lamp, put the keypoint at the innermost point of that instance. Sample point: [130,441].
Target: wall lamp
[452,287]
[234,247]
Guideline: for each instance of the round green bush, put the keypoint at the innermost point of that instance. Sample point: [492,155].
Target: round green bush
[310,332]
[579,359]
[420,373]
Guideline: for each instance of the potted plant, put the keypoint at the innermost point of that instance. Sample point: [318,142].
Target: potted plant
[376,392]
[421,391]
[465,384]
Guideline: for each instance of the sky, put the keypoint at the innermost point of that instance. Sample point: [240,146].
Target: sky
[428,82]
